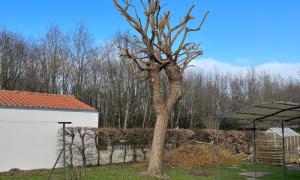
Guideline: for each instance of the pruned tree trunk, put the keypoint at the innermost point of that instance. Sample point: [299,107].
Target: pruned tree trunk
[98,147]
[153,51]
[82,148]
[155,163]
[71,150]
[134,153]
[98,157]
[144,152]
[163,112]
[111,154]
[125,153]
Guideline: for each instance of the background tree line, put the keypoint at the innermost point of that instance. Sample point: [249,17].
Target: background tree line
[72,63]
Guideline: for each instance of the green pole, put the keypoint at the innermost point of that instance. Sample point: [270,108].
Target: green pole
[52,170]
[64,147]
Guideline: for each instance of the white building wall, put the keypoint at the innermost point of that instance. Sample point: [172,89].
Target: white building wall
[28,137]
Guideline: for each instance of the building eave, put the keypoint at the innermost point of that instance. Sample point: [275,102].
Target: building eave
[48,109]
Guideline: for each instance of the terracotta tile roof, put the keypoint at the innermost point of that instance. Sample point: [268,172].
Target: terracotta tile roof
[41,100]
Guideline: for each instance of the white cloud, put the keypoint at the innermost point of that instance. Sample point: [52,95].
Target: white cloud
[285,70]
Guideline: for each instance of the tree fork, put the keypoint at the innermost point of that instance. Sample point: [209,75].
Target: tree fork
[163,111]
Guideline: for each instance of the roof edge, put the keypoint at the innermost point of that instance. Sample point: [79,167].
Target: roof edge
[38,93]
[48,109]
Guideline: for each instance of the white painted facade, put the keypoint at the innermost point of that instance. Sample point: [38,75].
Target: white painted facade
[28,137]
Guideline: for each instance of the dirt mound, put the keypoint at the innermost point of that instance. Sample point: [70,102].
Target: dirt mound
[191,156]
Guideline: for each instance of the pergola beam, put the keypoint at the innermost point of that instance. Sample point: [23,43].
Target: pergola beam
[255,114]
[273,114]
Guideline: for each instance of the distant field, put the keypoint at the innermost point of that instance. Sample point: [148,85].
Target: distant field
[130,172]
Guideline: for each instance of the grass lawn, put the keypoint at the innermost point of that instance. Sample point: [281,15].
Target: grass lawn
[129,172]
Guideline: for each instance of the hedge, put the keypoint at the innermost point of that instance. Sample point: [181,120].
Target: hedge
[84,146]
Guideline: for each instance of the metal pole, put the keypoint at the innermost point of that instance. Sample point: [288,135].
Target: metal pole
[254,146]
[51,172]
[64,147]
[218,149]
[283,148]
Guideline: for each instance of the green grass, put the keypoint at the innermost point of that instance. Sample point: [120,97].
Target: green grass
[277,172]
[127,172]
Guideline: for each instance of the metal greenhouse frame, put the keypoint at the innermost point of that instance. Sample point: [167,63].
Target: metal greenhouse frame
[278,111]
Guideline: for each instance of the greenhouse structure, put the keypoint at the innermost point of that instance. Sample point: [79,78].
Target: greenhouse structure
[270,147]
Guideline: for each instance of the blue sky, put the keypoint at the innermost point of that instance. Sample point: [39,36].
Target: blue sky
[238,32]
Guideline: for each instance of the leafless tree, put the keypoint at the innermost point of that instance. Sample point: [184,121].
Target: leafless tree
[155,43]
[13,51]
[81,51]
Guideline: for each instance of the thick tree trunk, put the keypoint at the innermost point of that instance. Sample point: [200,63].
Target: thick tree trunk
[163,111]
[156,157]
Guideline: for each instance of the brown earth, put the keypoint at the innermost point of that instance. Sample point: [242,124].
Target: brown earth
[192,156]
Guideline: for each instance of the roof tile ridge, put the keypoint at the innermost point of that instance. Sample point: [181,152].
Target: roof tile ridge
[36,93]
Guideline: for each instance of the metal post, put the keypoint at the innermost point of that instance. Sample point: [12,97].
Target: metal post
[218,150]
[52,170]
[64,147]
[254,146]
[283,148]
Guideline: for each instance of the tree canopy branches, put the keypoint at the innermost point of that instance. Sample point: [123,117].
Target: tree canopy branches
[157,36]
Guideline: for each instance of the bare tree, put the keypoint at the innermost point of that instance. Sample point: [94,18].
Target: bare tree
[56,55]
[81,51]
[155,52]
[13,56]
